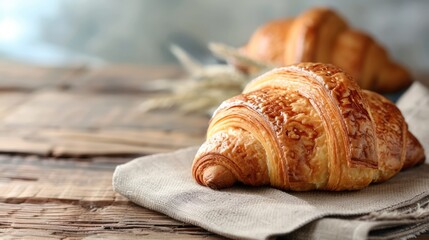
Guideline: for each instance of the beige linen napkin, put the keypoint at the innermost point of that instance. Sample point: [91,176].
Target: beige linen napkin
[396,208]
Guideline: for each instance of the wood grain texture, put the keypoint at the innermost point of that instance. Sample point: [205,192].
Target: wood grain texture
[44,198]
[80,124]
[59,221]
[24,77]
[124,78]
[57,127]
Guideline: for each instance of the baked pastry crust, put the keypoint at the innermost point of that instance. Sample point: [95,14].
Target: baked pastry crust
[304,127]
[321,35]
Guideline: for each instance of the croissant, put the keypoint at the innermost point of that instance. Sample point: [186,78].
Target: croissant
[304,127]
[321,35]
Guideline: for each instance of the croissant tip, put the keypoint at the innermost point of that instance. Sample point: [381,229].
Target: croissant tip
[218,177]
[415,153]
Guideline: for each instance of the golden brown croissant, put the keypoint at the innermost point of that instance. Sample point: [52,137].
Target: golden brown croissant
[321,35]
[303,127]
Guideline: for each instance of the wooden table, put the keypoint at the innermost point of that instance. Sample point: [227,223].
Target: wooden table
[62,133]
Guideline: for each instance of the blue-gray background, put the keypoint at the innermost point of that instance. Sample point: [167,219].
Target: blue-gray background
[61,32]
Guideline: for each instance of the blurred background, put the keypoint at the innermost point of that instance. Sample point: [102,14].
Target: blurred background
[76,32]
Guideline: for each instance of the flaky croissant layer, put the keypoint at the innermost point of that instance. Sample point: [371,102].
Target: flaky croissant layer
[304,127]
[322,35]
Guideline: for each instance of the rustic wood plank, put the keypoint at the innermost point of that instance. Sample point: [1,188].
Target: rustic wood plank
[76,147]
[82,124]
[24,77]
[88,111]
[26,118]
[18,144]
[56,198]
[76,143]
[9,101]
[56,221]
[137,137]
[115,142]
[32,180]
[117,78]
[124,78]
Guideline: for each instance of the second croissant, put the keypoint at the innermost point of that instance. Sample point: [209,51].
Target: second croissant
[304,127]
[322,35]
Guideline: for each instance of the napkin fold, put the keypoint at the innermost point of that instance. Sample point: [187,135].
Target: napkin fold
[398,208]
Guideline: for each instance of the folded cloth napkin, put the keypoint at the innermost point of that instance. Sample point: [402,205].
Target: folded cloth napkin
[398,208]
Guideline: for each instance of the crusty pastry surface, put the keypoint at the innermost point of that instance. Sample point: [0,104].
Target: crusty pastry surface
[304,127]
[322,35]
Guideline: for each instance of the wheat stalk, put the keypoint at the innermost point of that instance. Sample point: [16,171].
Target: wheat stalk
[207,85]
